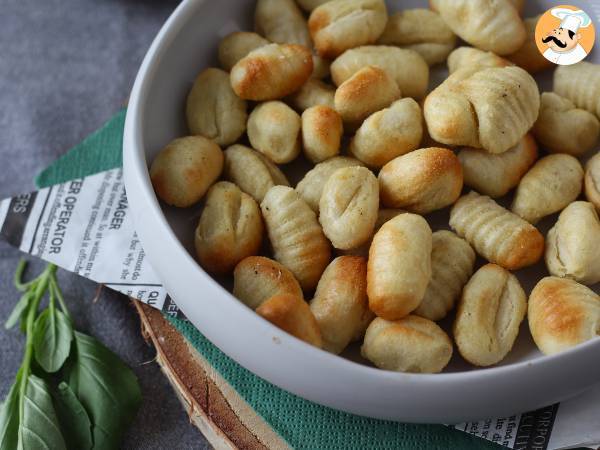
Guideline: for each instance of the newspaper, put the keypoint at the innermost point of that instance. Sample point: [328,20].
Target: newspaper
[83,226]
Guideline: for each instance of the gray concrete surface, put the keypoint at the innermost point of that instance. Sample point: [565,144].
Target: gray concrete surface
[65,67]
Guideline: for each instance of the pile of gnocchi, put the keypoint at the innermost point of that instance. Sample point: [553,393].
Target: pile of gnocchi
[348,254]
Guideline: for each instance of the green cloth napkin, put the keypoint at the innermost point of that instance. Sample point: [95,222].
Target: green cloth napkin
[301,423]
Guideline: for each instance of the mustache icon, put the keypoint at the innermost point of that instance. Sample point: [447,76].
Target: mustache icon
[556,41]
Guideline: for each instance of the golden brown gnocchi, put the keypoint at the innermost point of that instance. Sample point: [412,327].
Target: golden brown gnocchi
[348,207]
[230,228]
[322,132]
[399,266]
[295,234]
[495,233]
[490,312]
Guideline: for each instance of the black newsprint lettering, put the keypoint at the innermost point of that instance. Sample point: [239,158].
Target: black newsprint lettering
[64,217]
[120,211]
[19,210]
[535,429]
[171,309]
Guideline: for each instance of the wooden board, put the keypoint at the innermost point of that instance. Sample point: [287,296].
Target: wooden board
[213,405]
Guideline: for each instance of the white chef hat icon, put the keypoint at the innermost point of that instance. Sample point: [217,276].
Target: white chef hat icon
[571,20]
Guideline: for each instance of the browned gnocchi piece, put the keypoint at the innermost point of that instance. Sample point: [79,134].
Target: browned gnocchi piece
[322,132]
[230,228]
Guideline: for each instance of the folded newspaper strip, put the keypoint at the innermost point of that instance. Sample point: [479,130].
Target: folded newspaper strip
[83,226]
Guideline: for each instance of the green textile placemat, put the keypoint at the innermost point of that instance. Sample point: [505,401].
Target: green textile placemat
[301,423]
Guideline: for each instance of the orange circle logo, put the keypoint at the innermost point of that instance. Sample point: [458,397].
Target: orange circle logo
[565,35]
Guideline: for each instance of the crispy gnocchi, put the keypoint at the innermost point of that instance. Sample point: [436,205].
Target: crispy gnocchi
[238,44]
[257,279]
[311,186]
[562,313]
[348,207]
[421,30]
[399,266]
[572,249]
[293,315]
[271,72]
[592,180]
[339,25]
[421,181]
[281,21]
[183,171]
[492,25]
[274,130]
[549,186]
[340,304]
[406,67]
[410,344]
[490,312]
[312,93]
[496,174]
[230,228]
[388,133]
[579,83]
[561,127]
[452,260]
[497,234]
[296,236]
[213,110]
[367,91]
[322,131]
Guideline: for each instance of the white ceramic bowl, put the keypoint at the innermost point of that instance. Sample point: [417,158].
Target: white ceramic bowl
[526,380]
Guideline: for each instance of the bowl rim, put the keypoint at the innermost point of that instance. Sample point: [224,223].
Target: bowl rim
[137,180]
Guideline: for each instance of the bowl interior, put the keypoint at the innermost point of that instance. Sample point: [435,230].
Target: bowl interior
[194,47]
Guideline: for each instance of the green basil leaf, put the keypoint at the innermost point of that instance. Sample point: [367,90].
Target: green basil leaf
[9,417]
[18,310]
[73,418]
[106,387]
[40,428]
[52,336]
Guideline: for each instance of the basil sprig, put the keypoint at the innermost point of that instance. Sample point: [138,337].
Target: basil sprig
[71,392]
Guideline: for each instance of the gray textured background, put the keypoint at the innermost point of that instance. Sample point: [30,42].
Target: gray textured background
[65,67]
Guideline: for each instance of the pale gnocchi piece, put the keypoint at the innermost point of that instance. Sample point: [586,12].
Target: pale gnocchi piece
[340,304]
[230,228]
[497,234]
[320,67]
[421,181]
[492,25]
[295,234]
[399,266]
[549,186]
[496,174]
[257,279]
[339,25]
[421,30]
[213,110]
[490,312]
[592,181]
[281,21]
[274,130]
[311,186]
[348,207]
[452,260]
[367,91]
[312,93]
[238,44]
[473,57]
[309,5]
[572,244]
[271,72]
[562,314]
[293,315]
[407,67]
[322,132]
[388,133]
[490,108]
[580,83]
[411,344]
[253,172]
[561,127]
[183,171]
[528,56]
